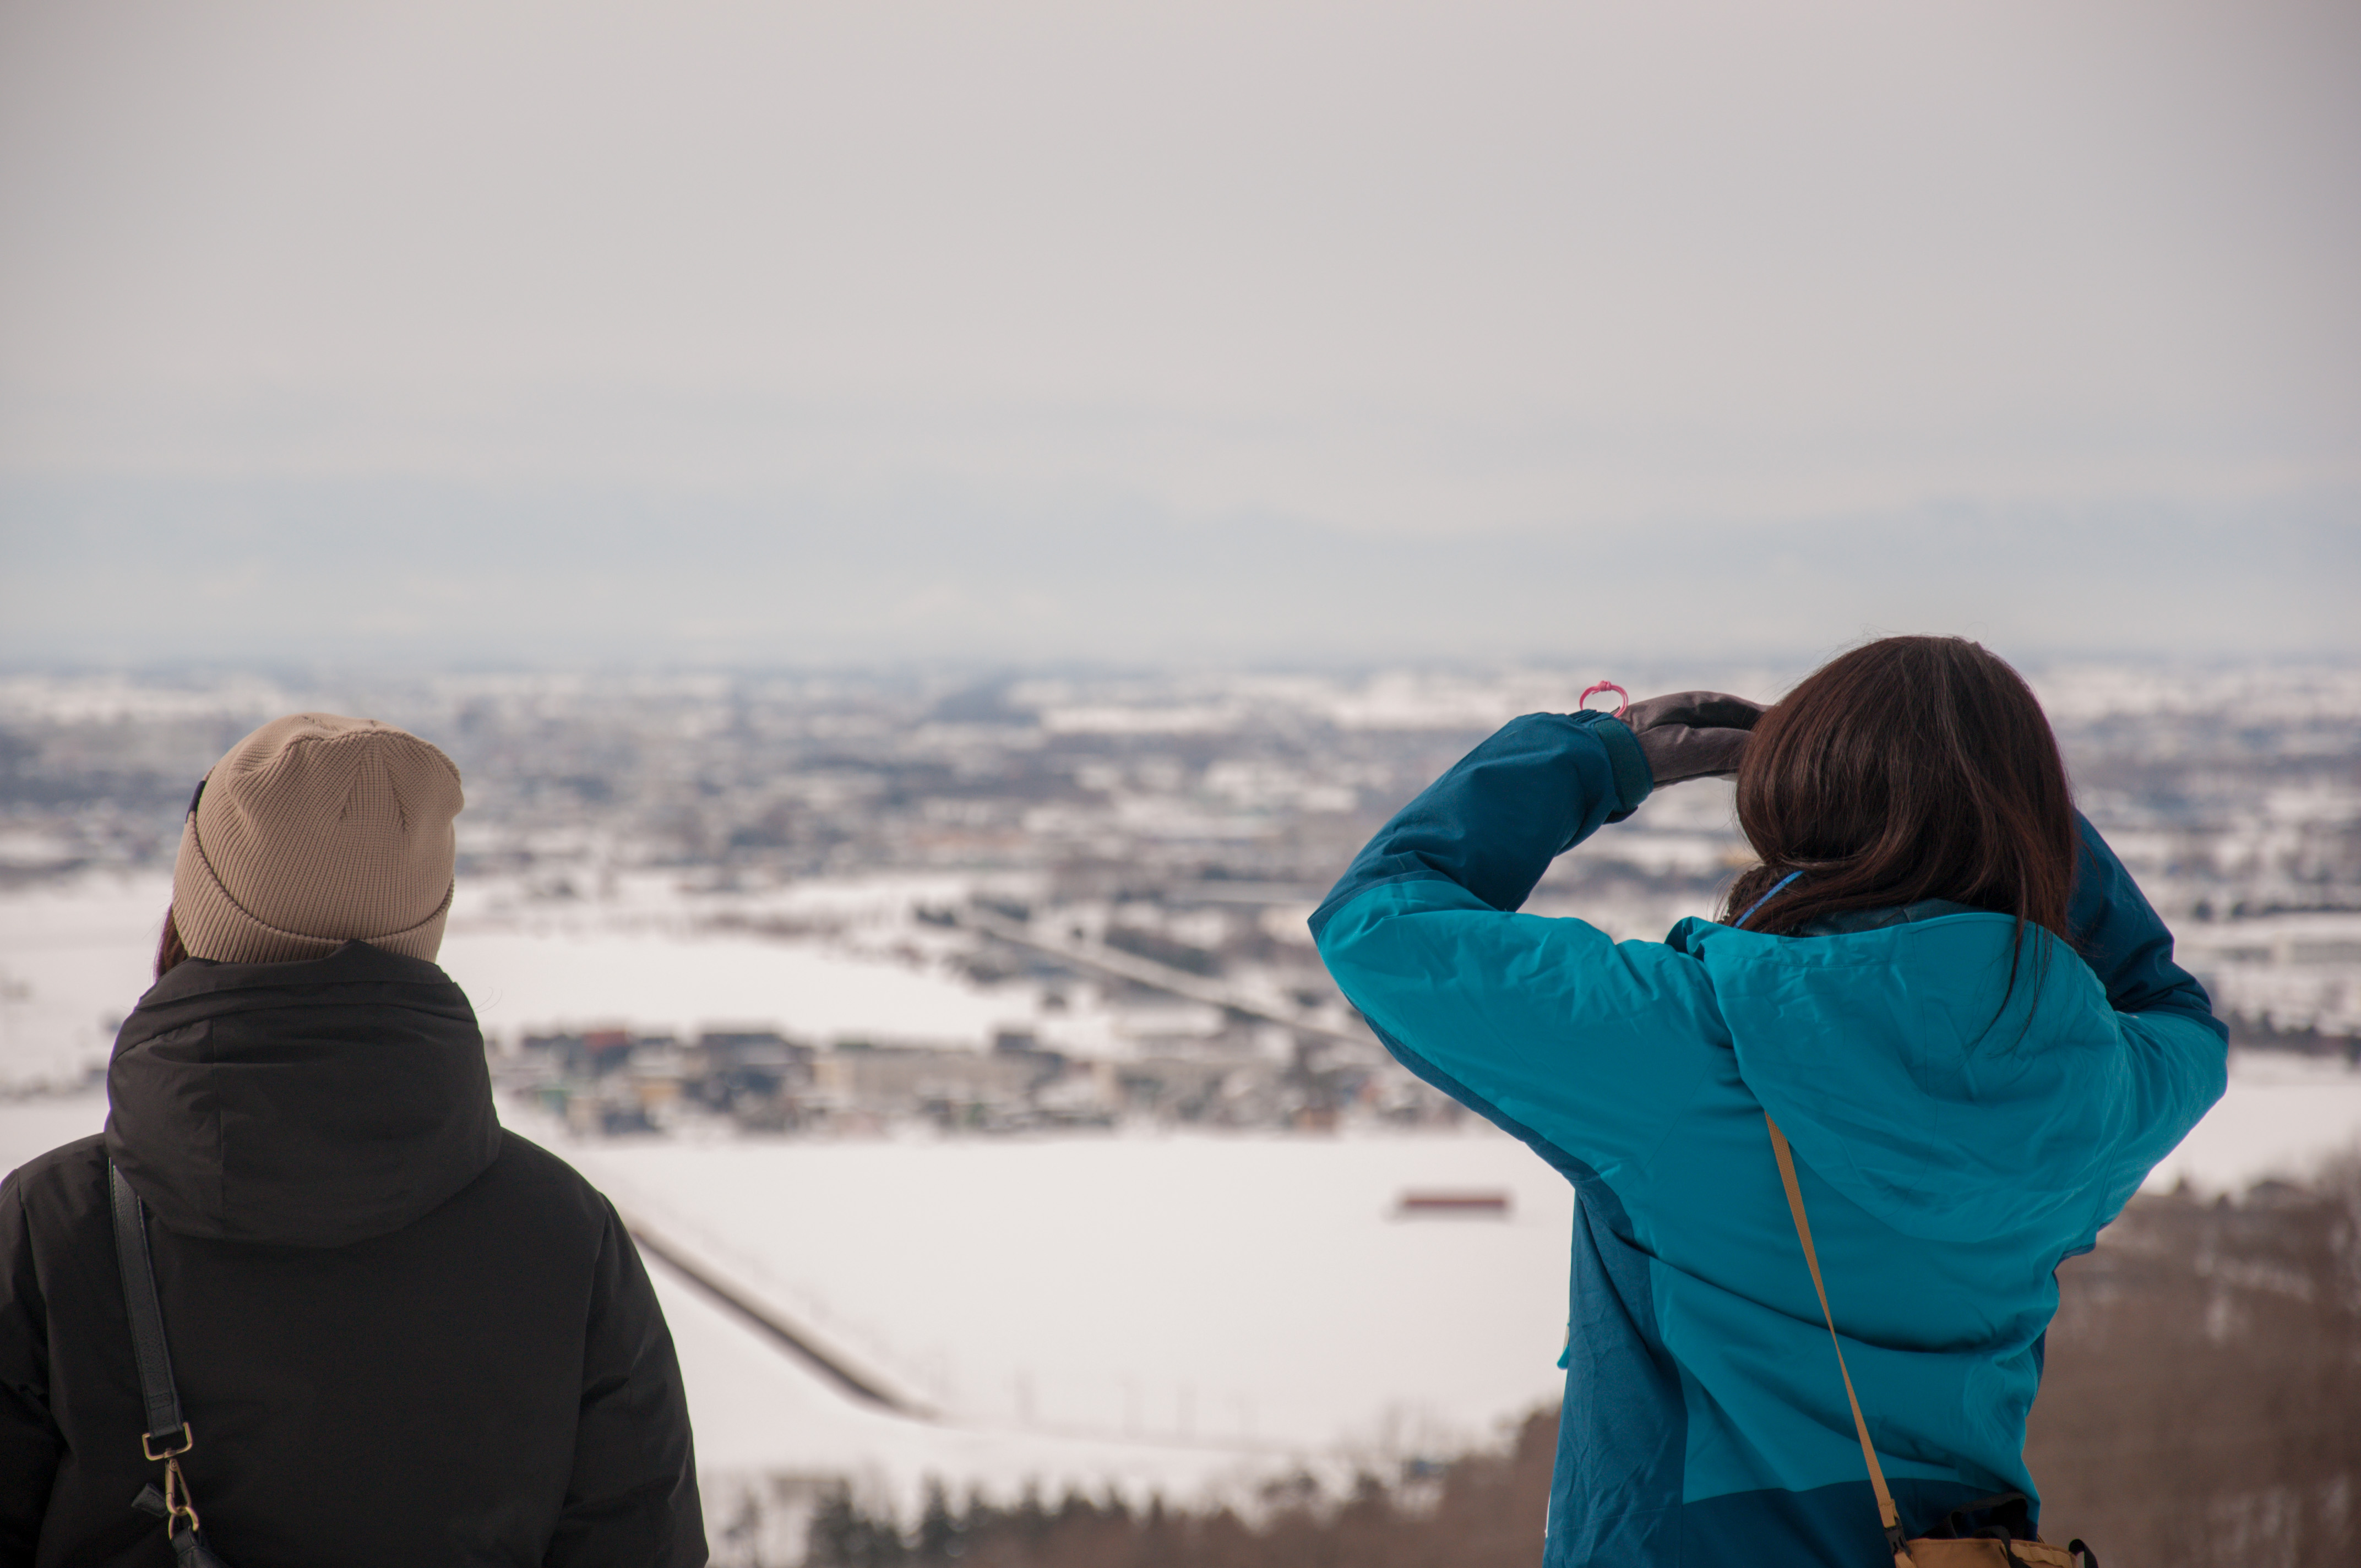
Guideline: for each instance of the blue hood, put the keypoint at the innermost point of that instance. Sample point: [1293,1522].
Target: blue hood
[1915,1076]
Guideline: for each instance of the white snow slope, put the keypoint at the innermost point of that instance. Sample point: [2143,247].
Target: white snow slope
[1172,1312]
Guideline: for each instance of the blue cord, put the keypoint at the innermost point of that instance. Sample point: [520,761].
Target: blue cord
[1766,898]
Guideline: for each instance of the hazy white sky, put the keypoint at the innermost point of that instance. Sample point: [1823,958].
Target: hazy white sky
[1176,331]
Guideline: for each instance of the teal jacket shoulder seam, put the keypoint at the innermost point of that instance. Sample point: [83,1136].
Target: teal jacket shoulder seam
[1336,902]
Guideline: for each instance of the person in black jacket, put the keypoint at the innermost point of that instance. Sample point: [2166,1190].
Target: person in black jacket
[401,1333]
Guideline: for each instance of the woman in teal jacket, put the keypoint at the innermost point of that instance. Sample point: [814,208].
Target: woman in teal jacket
[1939,980]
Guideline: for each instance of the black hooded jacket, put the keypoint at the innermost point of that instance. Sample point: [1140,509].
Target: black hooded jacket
[402,1335]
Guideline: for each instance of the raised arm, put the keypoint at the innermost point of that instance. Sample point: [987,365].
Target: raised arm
[2176,1051]
[2119,935]
[1492,824]
[1565,1038]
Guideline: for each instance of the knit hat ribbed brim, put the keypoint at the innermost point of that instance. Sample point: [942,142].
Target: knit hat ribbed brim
[313,831]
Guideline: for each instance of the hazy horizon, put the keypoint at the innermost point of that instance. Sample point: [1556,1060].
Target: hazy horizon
[522,335]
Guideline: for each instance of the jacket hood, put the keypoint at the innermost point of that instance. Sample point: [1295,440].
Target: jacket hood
[1912,1076]
[314,1103]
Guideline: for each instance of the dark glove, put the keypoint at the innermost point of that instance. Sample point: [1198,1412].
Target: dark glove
[1691,735]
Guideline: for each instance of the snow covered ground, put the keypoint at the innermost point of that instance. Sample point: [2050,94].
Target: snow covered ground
[820,962]
[1179,1313]
[1176,1312]
[75,957]
[2282,1116]
[1185,1315]
[1244,1289]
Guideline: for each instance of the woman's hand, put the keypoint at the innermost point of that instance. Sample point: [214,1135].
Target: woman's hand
[1691,735]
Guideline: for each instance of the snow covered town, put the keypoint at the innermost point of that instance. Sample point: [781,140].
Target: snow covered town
[801,903]
[1012,972]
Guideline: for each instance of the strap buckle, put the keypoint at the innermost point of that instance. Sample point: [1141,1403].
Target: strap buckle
[178,1503]
[148,1445]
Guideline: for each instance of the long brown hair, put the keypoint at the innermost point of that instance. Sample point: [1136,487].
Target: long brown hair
[1910,768]
[169,950]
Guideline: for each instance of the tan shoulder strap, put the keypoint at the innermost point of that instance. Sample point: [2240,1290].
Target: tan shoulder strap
[1885,1510]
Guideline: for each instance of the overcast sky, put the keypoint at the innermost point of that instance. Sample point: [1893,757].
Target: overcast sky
[692,333]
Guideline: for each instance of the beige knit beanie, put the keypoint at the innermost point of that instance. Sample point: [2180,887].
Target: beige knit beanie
[313,831]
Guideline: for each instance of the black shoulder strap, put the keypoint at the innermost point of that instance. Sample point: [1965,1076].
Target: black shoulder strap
[167,1433]
[167,1436]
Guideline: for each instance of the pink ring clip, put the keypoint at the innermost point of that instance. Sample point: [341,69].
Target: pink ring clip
[1621,709]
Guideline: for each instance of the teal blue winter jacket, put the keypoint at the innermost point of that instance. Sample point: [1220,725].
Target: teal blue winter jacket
[1959,1133]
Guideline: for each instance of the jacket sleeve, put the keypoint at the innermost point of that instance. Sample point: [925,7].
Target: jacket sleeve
[1585,1048]
[632,1501]
[2176,1052]
[30,1445]
[2119,935]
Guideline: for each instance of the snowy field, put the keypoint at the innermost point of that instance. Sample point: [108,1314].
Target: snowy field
[75,956]
[1182,1313]
[821,962]
[1249,1290]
